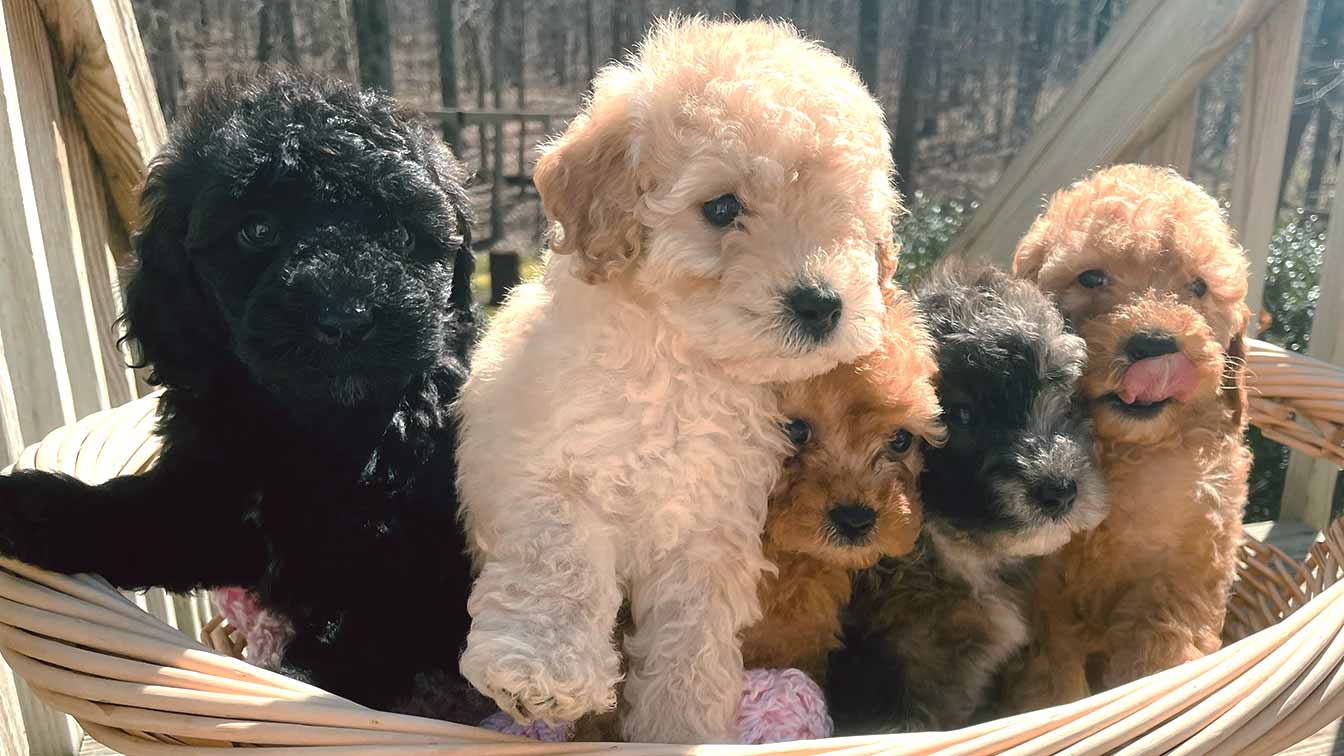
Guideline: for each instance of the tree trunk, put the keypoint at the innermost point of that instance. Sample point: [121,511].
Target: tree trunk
[934,93]
[264,46]
[504,265]
[340,54]
[1325,48]
[276,15]
[284,16]
[522,92]
[166,66]
[907,105]
[620,9]
[236,30]
[203,42]
[870,45]
[589,44]
[478,57]
[1105,12]
[1032,63]
[446,25]
[373,39]
[1320,156]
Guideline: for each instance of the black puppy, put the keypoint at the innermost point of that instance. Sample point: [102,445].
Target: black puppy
[303,295]
[925,635]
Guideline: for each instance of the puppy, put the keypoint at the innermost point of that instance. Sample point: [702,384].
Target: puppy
[926,634]
[302,293]
[847,495]
[723,210]
[1143,263]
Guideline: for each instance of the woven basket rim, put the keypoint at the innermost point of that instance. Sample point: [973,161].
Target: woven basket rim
[141,687]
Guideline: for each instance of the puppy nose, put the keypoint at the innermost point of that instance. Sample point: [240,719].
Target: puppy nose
[1145,345]
[816,309]
[1056,496]
[350,323]
[852,521]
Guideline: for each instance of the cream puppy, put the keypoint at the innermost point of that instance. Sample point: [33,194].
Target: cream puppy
[723,215]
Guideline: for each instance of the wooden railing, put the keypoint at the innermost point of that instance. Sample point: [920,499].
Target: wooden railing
[80,122]
[1135,101]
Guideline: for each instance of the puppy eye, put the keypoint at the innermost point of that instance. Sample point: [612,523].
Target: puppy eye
[901,442]
[1199,288]
[1092,279]
[959,415]
[723,210]
[259,232]
[403,237]
[798,431]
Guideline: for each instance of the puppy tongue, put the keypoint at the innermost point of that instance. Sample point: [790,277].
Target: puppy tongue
[1157,378]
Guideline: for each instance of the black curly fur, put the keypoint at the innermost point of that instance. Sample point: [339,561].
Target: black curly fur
[316,470]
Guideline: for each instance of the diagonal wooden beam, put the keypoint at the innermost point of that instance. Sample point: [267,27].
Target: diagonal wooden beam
[99,49]
[1150,66]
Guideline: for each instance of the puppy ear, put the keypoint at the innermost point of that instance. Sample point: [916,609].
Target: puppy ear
[888,252]
[587,184]
[1030,256]
[177,328]
[1233,390]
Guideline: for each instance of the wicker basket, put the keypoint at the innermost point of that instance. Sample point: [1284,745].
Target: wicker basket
[142,687]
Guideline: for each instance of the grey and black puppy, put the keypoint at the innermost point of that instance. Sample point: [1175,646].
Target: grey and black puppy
[926,634]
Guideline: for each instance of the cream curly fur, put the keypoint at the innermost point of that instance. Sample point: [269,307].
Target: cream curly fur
[619,431]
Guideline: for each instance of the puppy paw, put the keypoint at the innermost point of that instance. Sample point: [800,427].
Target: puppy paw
[558,686]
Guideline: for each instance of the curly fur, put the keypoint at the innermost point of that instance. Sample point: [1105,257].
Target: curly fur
[319,463]
[853,413]
[926,634]
[619,433]
[1148,589]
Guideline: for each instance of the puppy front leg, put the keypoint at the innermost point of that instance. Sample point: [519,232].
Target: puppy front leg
[1150,633]
[134,530]
[543,612]
[685,661]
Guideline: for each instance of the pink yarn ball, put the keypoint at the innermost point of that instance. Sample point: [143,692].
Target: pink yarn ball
[779,705]
[266,633]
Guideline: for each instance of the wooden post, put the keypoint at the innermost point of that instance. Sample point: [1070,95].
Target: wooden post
[1310,485]
[1262,137]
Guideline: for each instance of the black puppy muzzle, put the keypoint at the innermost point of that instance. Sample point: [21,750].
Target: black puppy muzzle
[345,317]
[851,523]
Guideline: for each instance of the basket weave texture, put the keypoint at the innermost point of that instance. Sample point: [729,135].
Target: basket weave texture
[141,687]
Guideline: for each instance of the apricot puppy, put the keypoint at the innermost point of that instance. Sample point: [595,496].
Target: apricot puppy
[848,494]
[1143,263]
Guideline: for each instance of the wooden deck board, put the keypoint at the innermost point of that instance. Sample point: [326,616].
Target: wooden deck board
[1295,538]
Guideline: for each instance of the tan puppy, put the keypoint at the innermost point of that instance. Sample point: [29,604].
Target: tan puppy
[723,211]
[848,495]
[1143,263]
